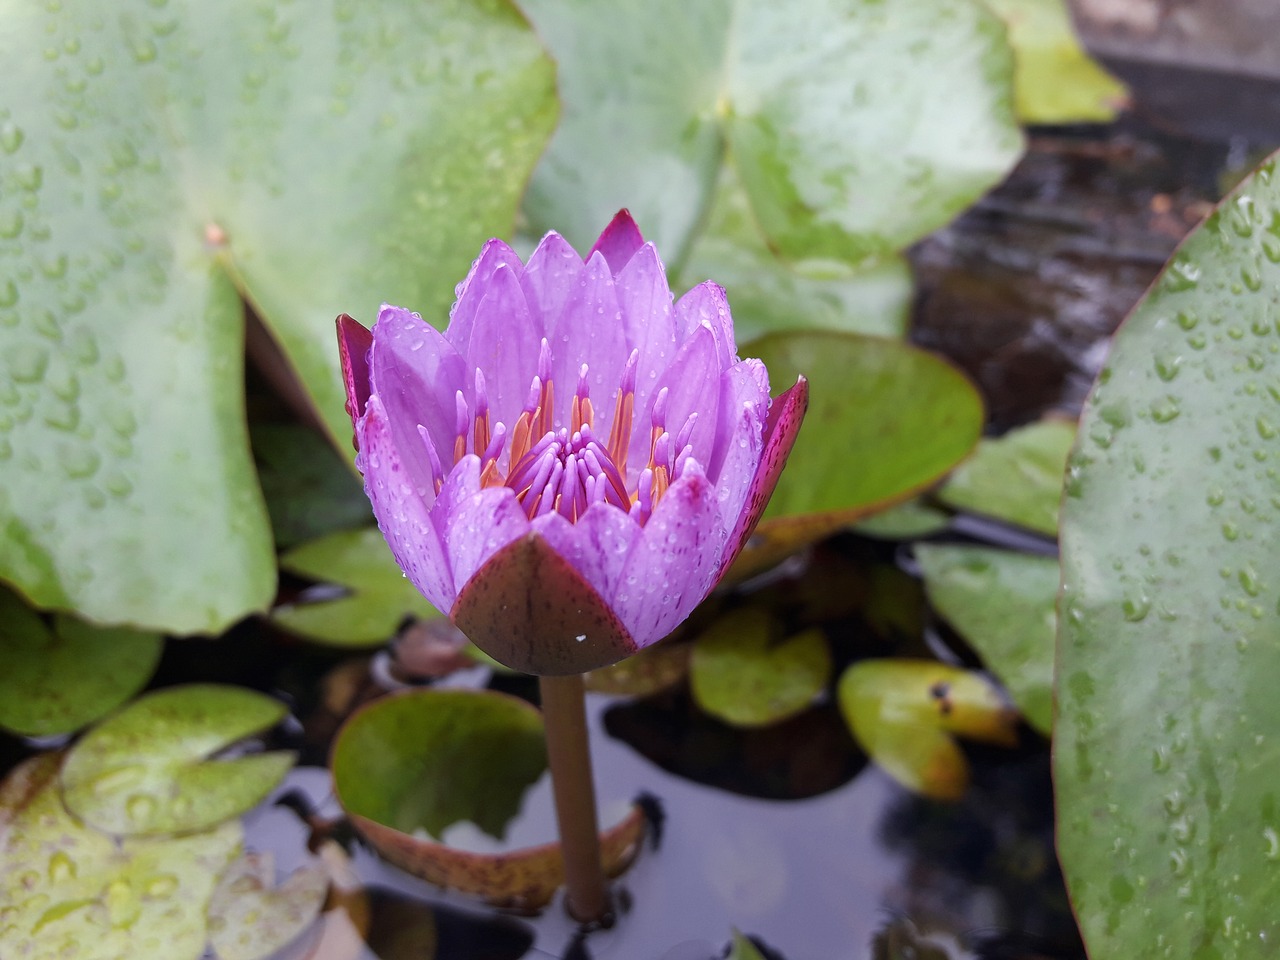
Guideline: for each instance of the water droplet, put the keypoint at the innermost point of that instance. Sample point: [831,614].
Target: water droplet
[1136,606]
[27,362]
[1249,581]
[140,807]
[1230,531]
[1182,275]
[61,867]
[163,885]
[78,461]
[11,136]
[144,51]
[1165,409]
[11,222]
[1167,367]
[1272,851]
[29,176]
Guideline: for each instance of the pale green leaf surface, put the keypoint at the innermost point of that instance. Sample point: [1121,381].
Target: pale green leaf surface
[155,158]
[1165,748]
[251,917]
[1004,604]
[146,769]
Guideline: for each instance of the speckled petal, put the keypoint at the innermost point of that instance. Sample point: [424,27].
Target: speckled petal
[417,373]
[354,344]
[619,241]
[693,385]
[676,562]
[403,516]
[744,410]
[785,416]
[472,290]
[597,545]
[588,330]
[474,523]
[505,341]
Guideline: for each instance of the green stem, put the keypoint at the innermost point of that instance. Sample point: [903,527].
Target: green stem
[569,756]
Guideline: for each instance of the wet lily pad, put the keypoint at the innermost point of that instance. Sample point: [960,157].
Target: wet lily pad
[1016,477]
[906,521]
[744,672]
[250,917]
[418,766]
[146,770]
[1005,605]
[373,597]
[653,669]
[69,890]
[904,714]
[855,128]
[1168,822]
[59,679]
[1055,80]
[163,162]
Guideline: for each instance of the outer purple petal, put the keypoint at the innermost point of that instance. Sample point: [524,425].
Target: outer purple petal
[505,341]
[676,562]
[354,344]
[471,291]
[597,545]
[549,276]
[785,416]
[417,373]
[619,241]
[693,385]
[402,515]
[589,330]
[706,305]
[474,523]
[744,411]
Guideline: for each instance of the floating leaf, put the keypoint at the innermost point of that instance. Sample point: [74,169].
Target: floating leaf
[903,713]
[374,596]
[69,890]
[745,673]
[1016,477]
[1005,605]
[1055,81]
[146,770]
[906,521]
[653,669]
[158,163]
[855,128]
[741,948]
[1166,735]
[250,918]
[61,679]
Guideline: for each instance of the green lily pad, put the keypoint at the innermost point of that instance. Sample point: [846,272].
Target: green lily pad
[906,521]
[160,162]
[310,492]
[250,918]
[1164,748]
[1055,81]
[61,679]
[69,890]
[745,673]
[376,596]
[653,669]
[885,421]
[146,770]
[856,128]
[1005,605]
[1016,477]
[903,713]
[741,948]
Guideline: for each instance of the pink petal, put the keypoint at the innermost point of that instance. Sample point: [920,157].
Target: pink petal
[597,545]
[505,342]
[551,273]
[619,241]
[676,561]
[744,410]
[417,373]
[706,306]
[474,523]
[403,515]
[785,417]
[589,330]
[693,385]
[354,344]
[471,291]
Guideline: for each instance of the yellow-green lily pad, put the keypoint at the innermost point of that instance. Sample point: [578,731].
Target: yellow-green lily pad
[905,714]
[58,679]
[373,597]
[67,890]
[147,769]
[250,917]
[747,674]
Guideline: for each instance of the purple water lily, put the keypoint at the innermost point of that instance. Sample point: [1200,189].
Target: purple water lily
[567,470]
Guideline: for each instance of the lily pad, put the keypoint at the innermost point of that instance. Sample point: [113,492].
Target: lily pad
[1055,81]
[69,890]
[57,680]
[653,669]
[250,917]
[885,421]
[1005,605]
[1016,477]
[906,521]
[856,128]
[745,673]
[741,948]
[163,161]
[1168,823]
[146,770]
[372,597]
[904,712]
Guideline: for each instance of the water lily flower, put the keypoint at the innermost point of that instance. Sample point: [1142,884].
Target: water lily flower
[568,470]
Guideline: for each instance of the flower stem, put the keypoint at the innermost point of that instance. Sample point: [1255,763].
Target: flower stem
[569,756]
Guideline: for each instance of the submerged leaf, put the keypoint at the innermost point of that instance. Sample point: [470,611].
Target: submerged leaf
[904,712]
[146,770]
[250,917]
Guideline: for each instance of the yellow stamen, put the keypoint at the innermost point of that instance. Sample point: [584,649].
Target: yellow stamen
[480,440]
[620,434]
[521,438]
[459,448]
[660,484]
